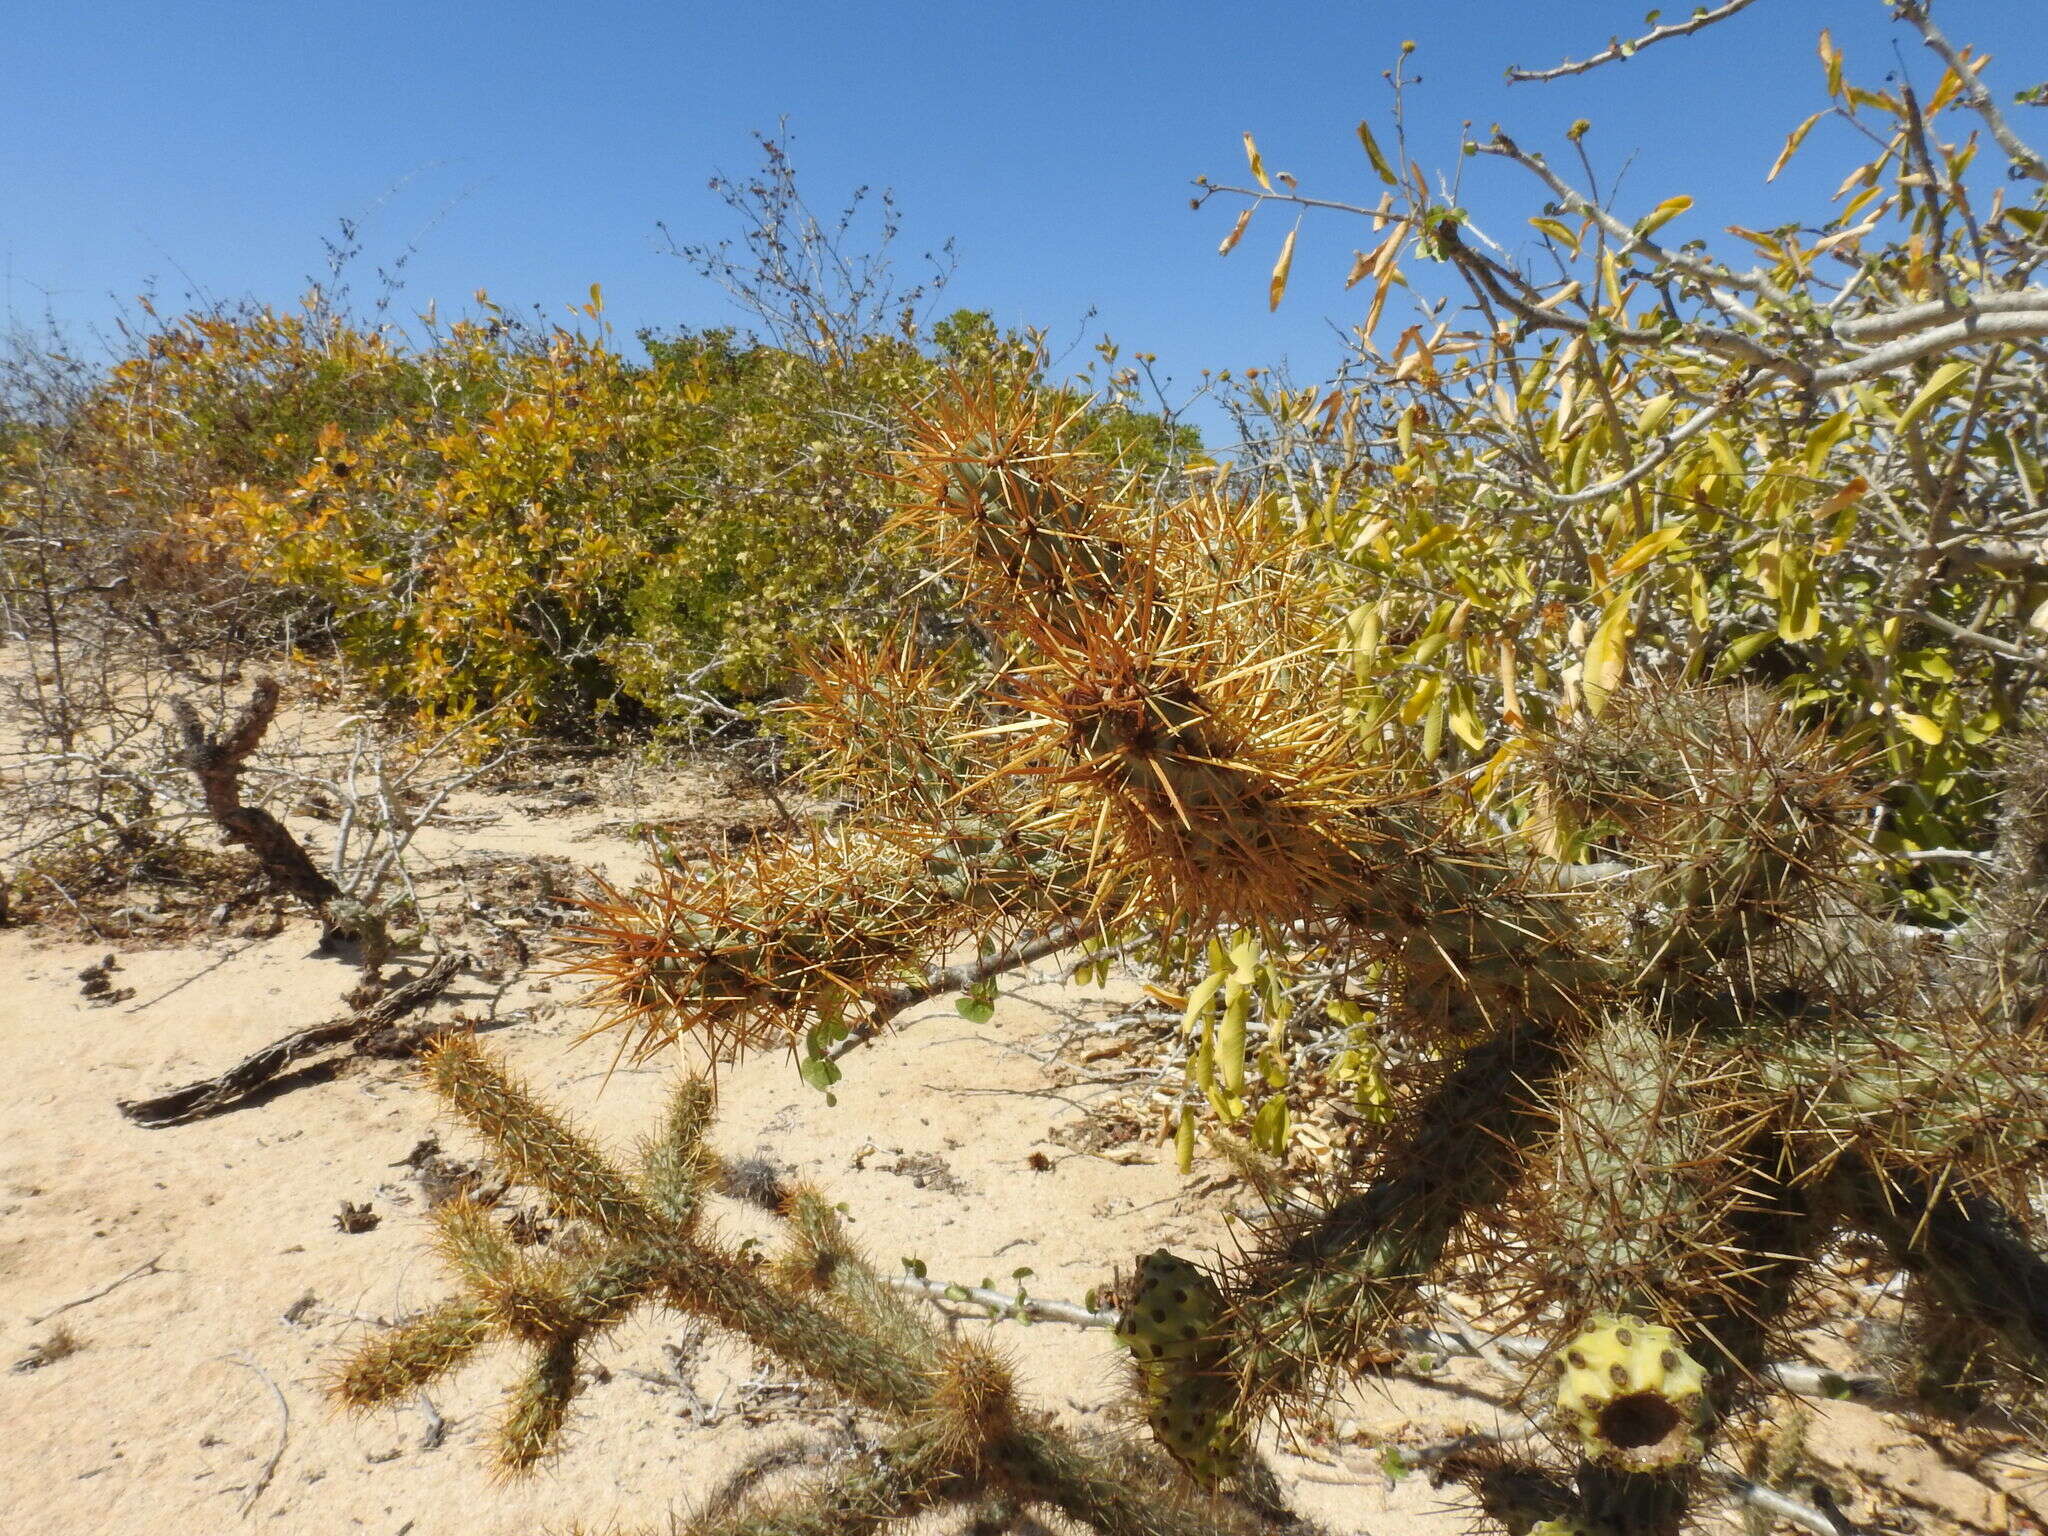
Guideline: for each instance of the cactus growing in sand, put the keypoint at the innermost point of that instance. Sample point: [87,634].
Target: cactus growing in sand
[1657,1044]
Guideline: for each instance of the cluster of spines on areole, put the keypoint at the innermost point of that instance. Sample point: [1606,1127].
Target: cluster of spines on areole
[753,950]
[1174,1329]
[1164,731]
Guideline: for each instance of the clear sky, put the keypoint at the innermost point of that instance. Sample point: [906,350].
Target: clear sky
[530,148]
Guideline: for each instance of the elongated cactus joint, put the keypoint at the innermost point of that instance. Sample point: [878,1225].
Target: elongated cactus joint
[1174,1328]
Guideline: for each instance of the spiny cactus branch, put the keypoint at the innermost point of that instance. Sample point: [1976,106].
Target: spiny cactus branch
[822,1310]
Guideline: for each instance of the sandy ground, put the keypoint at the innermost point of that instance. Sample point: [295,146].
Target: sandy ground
[193,1401]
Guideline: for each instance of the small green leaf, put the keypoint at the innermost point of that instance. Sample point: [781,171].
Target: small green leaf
[820,1073]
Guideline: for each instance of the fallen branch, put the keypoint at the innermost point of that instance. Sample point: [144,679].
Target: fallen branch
[1018,1308]
[153,1267]
[284,1431]
[369,1031]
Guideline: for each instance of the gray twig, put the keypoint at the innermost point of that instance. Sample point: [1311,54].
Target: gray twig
[150,1268]
[1629,48]
[284,1431]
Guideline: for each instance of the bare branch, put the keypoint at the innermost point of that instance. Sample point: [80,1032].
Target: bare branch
[953,978]
[217,762]
[1868,330]
[1973,329]
[1620,49]
[2024,157]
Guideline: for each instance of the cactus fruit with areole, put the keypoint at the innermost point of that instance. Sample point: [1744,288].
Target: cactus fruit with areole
[1173,1326]
[1633,1395]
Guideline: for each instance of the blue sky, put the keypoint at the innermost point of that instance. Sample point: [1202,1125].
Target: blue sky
[531,148]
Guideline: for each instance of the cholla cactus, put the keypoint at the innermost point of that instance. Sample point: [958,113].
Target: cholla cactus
[1638,1099]
[961,1434]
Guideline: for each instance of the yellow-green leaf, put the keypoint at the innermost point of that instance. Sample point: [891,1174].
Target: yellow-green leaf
[1417,704]
[1663,214]
[1200,999]
[1237,1012]
[1831,56]
[1607,652]
[1798,595]
[1920,727]
[1269,1126]
[1251,154]
[1277,288]
[1463,717]
[1792,143]
[1939,383]
[1646,549]
[1741,649]
[1372,153]
[1654,411]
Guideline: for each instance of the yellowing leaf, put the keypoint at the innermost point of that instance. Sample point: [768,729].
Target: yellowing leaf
[1463,716]
[1723,448]
[1938,384]
[1277,288]
[1646,549]
[1792,143]
[1798,595]
[1559,231]
[1653,413]
[1831,56]
[1372,153]
[1607,652]
[1236,234]
[1663,214]
[1847,496]
[1237,1012]
[1920,727]
[1251,154]
[1200,999]
[1417,703]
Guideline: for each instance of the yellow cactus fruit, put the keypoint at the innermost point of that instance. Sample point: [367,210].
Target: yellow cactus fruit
[1567,1525]
[1633,1394]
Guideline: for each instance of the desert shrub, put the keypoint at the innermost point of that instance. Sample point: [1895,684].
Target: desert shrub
[513,520]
